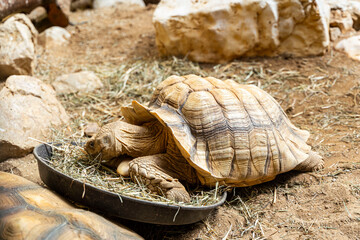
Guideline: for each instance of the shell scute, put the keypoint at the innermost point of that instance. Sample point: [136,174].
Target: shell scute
[198,83]
[174,95]
[202,113]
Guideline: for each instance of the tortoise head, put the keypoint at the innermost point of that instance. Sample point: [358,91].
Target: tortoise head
[103,144]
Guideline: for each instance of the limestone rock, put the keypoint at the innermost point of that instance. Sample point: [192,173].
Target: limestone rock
[28,108]
[342,20]
[108,3]
[18,39]
[351,6]
[37,15]
[84,81]
[219,31]
[81,4]
[54,37]
[351,46]
[335,33]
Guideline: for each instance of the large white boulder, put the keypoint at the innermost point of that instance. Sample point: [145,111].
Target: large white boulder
[29,109]
[80,82]
[218,31]
[18,39]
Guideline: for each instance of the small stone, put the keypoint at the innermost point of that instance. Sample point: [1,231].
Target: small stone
[91,129]
[335,33]
[80,4]
[18,38]
[80,82]
[37,15]
[109,3]
[342,20]
[54,37]
[29,110]
[351,46]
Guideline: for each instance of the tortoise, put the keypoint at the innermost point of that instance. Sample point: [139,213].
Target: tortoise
[29,211]
[207,131]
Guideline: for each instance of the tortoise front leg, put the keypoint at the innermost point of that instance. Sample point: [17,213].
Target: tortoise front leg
[155,172]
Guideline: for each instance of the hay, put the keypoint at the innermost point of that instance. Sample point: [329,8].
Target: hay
[71,159]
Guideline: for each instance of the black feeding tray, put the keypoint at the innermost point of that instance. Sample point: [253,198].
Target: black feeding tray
[113,204]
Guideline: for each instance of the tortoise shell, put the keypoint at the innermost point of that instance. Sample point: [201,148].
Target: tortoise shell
[29,211]
[230,133]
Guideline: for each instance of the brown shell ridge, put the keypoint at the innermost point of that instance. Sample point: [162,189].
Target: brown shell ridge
[280,167]
[169,82]
[182,131]
[136,114]
[260,172]
[222,126]
[300,142]
[178,128]
[250,164]
[269,156]
[280,120]
[301,134]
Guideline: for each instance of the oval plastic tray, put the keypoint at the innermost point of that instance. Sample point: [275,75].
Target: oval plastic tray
[114,204]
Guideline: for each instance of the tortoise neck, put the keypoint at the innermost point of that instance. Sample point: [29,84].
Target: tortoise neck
[144,140]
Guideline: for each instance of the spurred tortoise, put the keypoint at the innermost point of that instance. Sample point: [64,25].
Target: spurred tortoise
[204,130]
[29,211]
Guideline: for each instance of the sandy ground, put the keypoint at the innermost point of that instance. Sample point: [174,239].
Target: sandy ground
[320,94]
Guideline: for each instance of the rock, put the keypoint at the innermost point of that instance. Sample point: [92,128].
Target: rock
[356,25]
[18,38]
[54,37]
[151,1]
[335,33]
[81,4]
[350,6]
[91,129]
[37,15]
[84,81]
[351,46]
[342,20]
[57,10]
[219,31]
[28,108]
[108,3]
[64,5]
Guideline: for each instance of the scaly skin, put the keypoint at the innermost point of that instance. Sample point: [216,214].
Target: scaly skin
[313,163]
[153,172]
[157,161]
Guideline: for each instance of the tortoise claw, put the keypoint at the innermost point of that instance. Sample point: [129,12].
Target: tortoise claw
[178,195]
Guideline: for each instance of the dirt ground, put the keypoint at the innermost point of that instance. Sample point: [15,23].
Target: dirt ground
[320,94]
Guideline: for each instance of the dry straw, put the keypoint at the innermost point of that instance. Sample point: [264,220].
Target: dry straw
[71,159]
